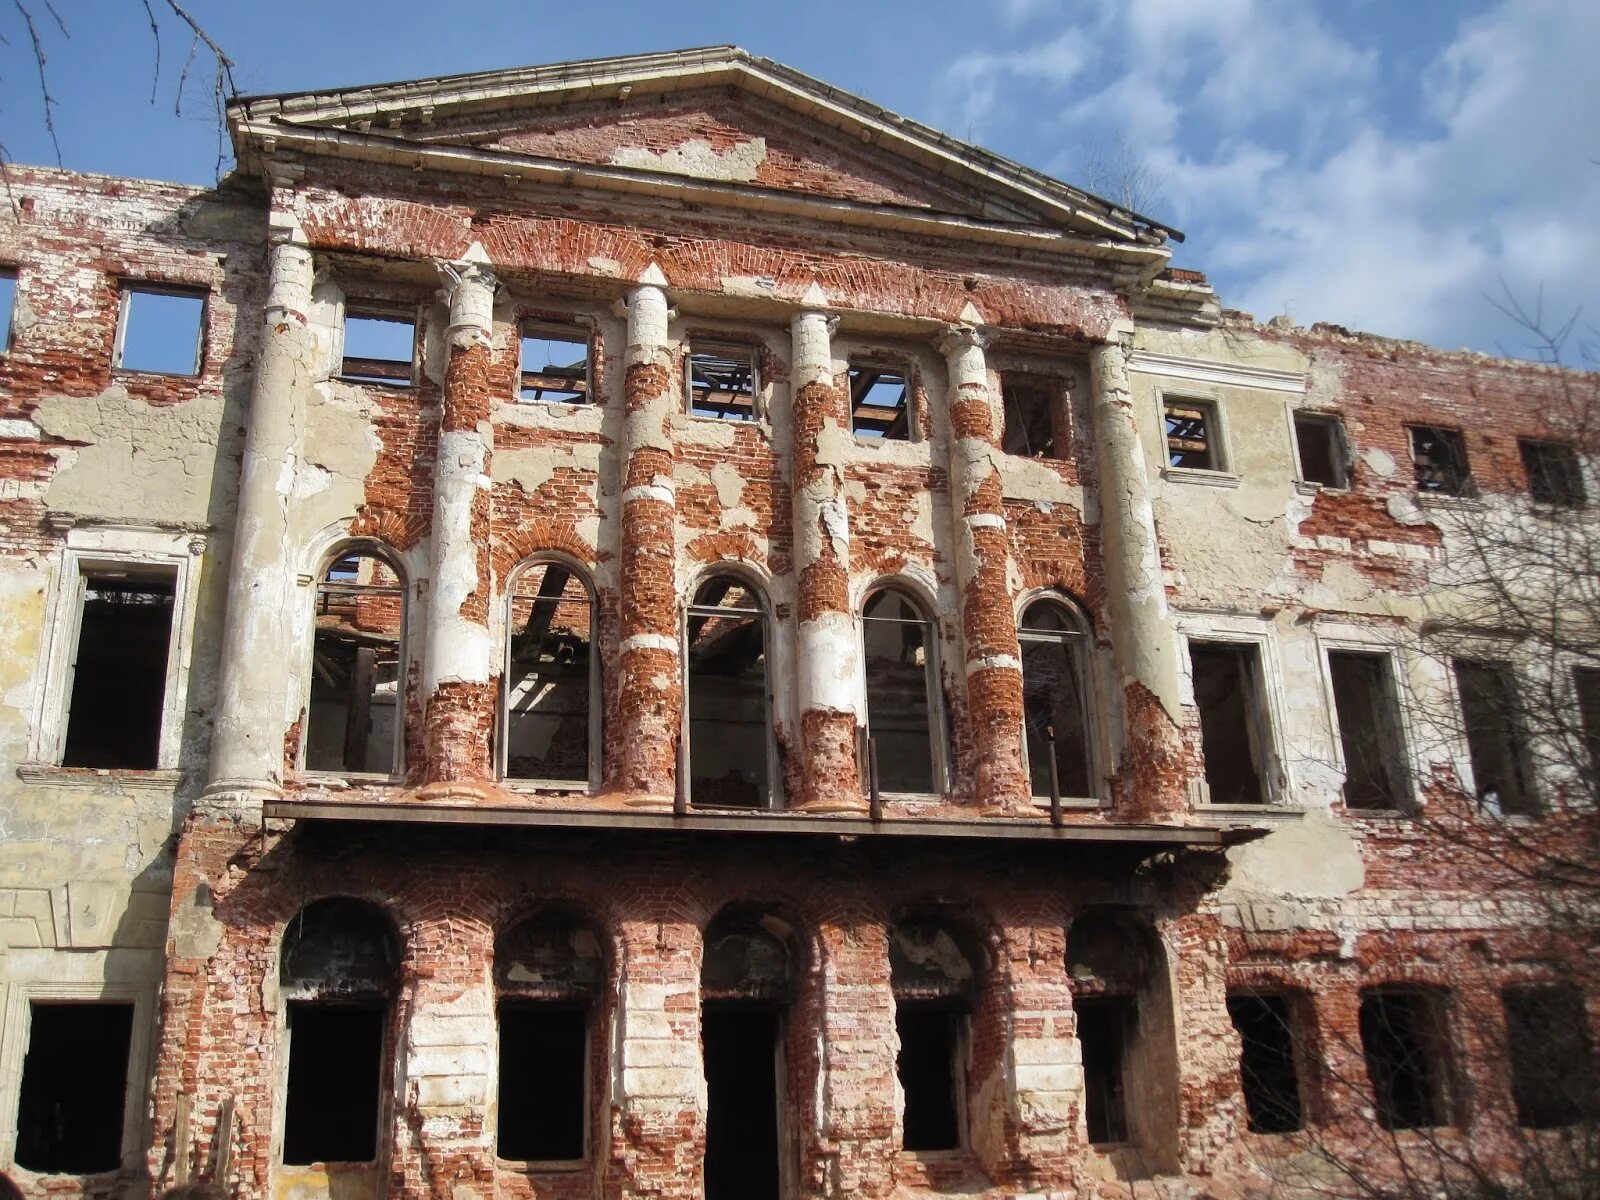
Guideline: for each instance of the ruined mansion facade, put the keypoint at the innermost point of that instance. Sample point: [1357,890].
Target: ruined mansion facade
[651,628]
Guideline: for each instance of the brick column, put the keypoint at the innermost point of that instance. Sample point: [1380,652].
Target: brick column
[649,677]
[993,658]
[1152,773]
[449,1039]
[1026,1137]
[458,676]
[247,740]
[860,1119]
[657,1140]
[828,649]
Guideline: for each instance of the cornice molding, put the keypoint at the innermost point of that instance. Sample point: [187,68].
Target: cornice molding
[1197,370]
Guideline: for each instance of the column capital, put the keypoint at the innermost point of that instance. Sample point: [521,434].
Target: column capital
[469,291]
[829,320]
[960,338]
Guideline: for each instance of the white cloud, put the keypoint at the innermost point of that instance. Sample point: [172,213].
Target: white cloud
[1303,187]
[978,77]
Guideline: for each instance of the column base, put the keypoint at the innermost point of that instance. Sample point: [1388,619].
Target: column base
[238,798]
[652,801]
[857,807]
[459,792]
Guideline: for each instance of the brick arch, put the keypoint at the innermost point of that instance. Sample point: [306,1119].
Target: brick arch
[402,530]
[538,536]
[725,546]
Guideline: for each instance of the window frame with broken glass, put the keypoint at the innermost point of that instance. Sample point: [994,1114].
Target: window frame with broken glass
[1074,640]
[573,572]
[768,784]
[938,751]
[346,552]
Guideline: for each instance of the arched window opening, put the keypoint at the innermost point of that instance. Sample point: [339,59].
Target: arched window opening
[729,703]
[1055,700]
[548,971]
[552,677]
[1122,1001]
[901,685]
[933,970]
[355,713]
[338,976]
[746,984]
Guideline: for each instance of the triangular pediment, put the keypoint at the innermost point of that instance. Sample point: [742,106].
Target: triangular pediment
[729,125]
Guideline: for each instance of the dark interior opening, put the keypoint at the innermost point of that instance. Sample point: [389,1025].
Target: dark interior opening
[1266,1062]
[1368,733]
[548,681]
[1321,457]
[1554,476]
[929,1070]
[335,1067]
[741,1044]
[74,1081]
[1105,1028]
[1552,1062]
[120,679]
[1400,1038]
[543,1068]
[1189,438]
[1224,691]
[728,697]
[1055,711]
[1496,743]
[899,715]
[353,715]
[1029,429]
[880,402]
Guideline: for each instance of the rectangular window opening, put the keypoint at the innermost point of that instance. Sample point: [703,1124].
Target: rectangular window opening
[550,679]
[1554,476]
[1267,1062]
[1226,691]
[1319,443]
[119,673]
[1029,423]
[1552,1061]
[1491,718]
[8,304]
[1055,714]
[354,712]
[1402,1039]
[544,1072]
[742,1101]
[1439,460]
[931,1076]
[1369,730]
[1586,683]
[74,1087]
[554,365]
[1191,427]
[162,330]
[331,1104]
[379,346]
[722,381]
[728,698]
[880,402]
[1106,1027]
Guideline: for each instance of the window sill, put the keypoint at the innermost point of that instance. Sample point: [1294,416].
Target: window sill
[1271,812]
[160,779]
[559,787]
[362,779]
[1379,814]
[555,1166]
[1447,503]
[137,373]
[388,385]
[1222,479]
[1307,487]
[1077,803]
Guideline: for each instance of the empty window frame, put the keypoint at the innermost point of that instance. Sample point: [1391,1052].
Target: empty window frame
[746,986]
[338,974]
[379,345]
[161,330]
[549,970]
[71,1103]
[1193,434]
[1320,449]
[1055,700]
[555,364]
[1370,737]
[1106,1026]
[356,711]
[1554,474]
[1030,425]
[1439,460]
[880,401]
[1552,1060]
[1233,733]
[1497,744]
[1586,686]
[552,679]
[901,673]
[1404,1041]
[729,702]
[8,305]
[933,971]
[117,681]
[721,380]
[1267,1061]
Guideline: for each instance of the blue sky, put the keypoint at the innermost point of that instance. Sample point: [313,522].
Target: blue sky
[1381,164]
